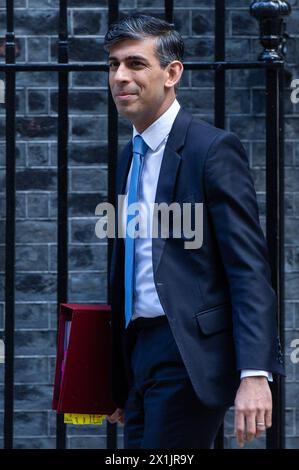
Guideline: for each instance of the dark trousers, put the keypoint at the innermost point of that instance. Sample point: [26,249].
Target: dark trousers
[162,410]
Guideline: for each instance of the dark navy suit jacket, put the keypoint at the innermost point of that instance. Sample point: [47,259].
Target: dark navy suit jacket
[218,298]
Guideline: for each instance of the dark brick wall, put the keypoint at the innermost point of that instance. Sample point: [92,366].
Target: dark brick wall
[36,31]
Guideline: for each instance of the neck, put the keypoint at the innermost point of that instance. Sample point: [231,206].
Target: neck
[148,121]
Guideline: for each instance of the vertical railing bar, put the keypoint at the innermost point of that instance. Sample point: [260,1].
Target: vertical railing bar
[271,17]
[274,230]
[168,11]
[219,55]
[281,299]
[219,110]
[113,13]
[62,186]
[10,101]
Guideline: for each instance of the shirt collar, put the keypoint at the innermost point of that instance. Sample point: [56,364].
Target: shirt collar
[159,129]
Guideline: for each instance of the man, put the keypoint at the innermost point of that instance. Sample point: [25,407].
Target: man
[199,334]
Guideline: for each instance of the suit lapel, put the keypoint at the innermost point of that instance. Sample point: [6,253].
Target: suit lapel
[172,158]
[123,168]
[168,173]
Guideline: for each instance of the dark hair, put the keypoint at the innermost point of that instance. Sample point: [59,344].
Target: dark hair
[169,43]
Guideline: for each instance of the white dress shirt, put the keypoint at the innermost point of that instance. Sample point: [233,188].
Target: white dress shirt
[146,301]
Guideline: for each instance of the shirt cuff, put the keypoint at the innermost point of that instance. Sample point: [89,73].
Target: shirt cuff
[253,372]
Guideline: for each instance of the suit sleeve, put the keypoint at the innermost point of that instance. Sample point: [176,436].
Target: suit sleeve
[232,205]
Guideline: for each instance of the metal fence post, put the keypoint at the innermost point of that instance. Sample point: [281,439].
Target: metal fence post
[270,14]
[10,228]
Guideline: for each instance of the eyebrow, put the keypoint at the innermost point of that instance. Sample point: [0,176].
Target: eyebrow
[130,57]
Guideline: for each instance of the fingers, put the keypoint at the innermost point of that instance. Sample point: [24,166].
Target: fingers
[250,427]
[245,427]
[122,418]
[260,423]
[268,418]
[118,415]
[240,427]
[263,421]
[112,418]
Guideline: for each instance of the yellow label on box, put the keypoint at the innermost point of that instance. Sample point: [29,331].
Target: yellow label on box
[75,418]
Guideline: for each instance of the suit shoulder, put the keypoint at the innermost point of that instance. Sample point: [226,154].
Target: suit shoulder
[202,135]
[201,127]
[206,135]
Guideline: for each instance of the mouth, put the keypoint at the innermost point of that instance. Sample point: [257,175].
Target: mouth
[126,97]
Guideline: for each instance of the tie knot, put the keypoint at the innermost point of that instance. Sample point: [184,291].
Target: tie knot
[139,146]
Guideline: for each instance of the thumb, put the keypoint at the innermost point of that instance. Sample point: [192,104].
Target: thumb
[115,416]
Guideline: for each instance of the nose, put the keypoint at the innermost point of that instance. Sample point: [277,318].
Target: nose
[122,74]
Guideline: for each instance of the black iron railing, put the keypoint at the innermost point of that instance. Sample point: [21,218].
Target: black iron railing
[270,15]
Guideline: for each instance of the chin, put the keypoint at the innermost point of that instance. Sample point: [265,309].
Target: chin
[125,114]
[126,111]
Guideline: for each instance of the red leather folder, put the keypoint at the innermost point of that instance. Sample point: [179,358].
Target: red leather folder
[82,376]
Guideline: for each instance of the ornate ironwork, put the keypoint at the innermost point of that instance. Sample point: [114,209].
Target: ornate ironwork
[271,14]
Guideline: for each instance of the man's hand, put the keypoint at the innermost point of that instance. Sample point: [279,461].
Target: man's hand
[253,409]
[118,415]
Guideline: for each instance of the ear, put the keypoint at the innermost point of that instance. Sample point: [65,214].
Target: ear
[174,71]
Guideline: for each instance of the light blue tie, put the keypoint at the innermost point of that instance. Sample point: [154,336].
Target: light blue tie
[139,150]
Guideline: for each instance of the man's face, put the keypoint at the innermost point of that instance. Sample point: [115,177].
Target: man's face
[137,81]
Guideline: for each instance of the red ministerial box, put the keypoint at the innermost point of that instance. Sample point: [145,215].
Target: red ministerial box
[82,376]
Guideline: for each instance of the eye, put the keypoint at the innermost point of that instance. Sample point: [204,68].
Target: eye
[137,63]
